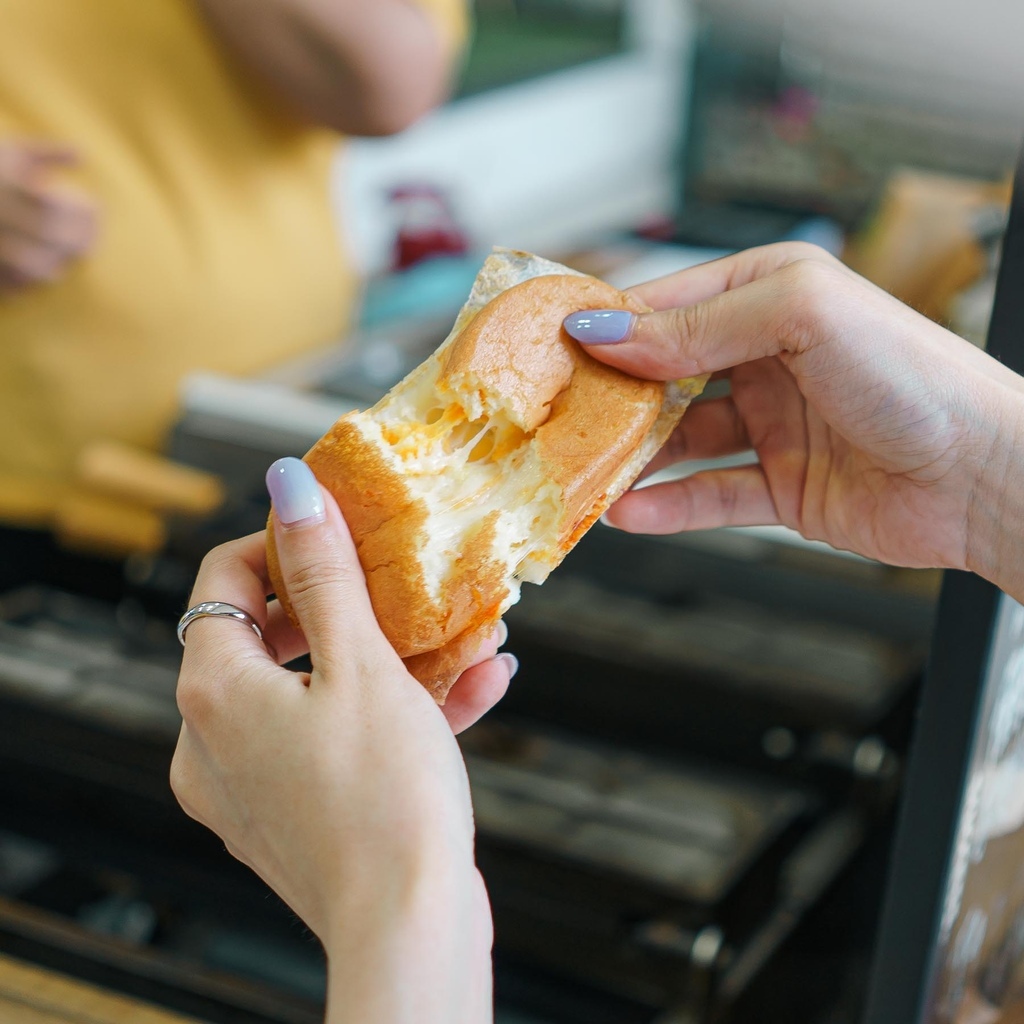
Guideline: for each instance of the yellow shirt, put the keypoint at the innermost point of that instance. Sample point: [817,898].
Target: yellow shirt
[217,246]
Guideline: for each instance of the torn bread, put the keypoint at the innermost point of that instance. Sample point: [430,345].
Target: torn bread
[488,462]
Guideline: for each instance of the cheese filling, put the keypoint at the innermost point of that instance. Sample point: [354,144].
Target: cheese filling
[465,468]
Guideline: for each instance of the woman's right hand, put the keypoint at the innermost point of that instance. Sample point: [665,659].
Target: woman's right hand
[875,429]
[43,227]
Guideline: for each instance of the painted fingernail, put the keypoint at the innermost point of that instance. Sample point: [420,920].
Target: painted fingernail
[510,660]
[600,326]
[295,492]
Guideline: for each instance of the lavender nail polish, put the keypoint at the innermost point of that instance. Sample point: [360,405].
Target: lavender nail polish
[510,660]
[600,326]
[295,492]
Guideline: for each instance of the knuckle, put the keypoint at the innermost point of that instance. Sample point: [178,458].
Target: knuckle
[688,501]
[797,251]
[197,702]
[681,344]
[690,321]
[217,557]
[218,561]
[814,278]
[307,579]
[728,497]
[808,289]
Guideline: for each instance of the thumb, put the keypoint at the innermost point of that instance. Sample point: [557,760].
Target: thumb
[779,313]
[320,568]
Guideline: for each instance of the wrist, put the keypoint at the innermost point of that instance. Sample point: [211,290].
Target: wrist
[995,522]
[411,942]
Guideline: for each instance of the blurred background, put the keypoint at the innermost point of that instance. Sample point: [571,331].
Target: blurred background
[687,804]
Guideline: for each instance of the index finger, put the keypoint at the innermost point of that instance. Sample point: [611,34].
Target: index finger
[786,313]
[706,280]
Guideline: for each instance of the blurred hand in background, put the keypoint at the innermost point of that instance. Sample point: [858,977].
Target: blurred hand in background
[44,226]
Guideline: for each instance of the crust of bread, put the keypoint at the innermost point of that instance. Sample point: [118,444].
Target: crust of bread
[438,670]
[593,429]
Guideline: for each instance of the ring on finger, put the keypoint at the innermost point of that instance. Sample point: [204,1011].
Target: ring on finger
[216,609]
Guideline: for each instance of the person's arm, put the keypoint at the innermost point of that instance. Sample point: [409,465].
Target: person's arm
[343,788]
[362,67]
[874,429]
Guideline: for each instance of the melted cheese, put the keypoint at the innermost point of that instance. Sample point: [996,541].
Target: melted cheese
[465,459]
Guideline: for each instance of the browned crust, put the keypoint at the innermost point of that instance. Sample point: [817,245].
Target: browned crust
[438,670]
[517,348]
[593,429]
[387,525]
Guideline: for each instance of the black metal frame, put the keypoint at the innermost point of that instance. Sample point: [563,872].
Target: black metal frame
[948,720]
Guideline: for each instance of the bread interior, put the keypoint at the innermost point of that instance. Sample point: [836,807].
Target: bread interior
[460,453]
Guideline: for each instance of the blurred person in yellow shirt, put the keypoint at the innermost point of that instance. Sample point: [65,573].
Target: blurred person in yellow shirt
[164,201]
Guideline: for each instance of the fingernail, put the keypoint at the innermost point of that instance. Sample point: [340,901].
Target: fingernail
[600,326]
[605,521]
[501,632]
[511,661]
[295,492]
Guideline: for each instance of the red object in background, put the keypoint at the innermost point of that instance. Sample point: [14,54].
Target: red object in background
[426,226]
[794,113]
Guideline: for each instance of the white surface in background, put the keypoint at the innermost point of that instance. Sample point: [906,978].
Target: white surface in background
[545,165]
[658,262]
[949,56]
[241,405]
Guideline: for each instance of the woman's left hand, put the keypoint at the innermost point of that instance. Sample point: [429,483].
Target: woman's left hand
[344,788]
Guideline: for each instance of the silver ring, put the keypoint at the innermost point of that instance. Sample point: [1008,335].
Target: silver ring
[214,608]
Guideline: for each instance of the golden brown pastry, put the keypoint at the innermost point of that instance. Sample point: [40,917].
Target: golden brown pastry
[488,463]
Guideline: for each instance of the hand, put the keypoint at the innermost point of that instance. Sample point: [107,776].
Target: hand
[42,227]
[343,788]
[875,429]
